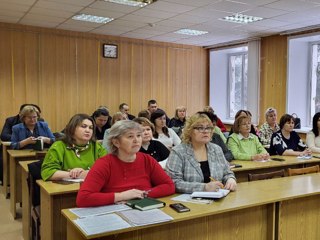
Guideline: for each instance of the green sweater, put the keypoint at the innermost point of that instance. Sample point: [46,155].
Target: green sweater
[245,148]
[61,158]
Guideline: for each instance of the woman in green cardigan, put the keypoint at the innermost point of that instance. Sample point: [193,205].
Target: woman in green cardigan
[72,156]
[243,144]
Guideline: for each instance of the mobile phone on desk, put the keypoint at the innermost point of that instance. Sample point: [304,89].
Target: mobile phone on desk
[179,207]
[277,159]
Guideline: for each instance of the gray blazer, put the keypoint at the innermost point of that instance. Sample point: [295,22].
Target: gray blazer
[185,170]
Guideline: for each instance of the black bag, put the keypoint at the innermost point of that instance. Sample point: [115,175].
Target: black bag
[297,121]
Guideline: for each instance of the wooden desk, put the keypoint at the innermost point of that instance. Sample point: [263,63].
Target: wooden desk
[15,175]
[262,167]
[257,210]
[6,168]
[55,197]
[26,206]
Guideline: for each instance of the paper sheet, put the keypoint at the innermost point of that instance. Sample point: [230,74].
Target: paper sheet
[91,211]
[102,223]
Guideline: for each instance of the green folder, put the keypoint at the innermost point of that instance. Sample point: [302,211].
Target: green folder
[145,203]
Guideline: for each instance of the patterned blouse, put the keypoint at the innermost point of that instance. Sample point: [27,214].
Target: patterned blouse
[266,133]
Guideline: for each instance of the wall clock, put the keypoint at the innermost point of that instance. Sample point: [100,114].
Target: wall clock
[110,50]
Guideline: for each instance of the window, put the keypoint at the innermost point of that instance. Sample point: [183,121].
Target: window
[237,81]
[304,77]
[315,79]
[234,80]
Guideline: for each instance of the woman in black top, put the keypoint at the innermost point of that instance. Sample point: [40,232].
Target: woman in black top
[152,147]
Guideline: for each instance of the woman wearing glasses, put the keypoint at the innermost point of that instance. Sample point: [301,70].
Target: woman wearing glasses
[243,144]
[197,164]
[25,134]
[269,127]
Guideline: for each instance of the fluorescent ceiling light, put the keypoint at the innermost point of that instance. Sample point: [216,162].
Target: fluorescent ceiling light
[191,32]
[91,18]
[240,18]
[133,3]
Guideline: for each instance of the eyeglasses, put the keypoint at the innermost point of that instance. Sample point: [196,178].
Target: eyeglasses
[204,129]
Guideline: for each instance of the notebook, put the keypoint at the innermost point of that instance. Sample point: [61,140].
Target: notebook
[219,194]
[145,203]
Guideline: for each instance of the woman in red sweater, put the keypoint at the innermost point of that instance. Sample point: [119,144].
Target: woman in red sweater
[125,173]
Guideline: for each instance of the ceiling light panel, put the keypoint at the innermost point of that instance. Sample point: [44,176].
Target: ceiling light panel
[191,32]
[241,18]
[91,18]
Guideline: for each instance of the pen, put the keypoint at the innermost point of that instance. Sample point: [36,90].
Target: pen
[145,193]
[213,180]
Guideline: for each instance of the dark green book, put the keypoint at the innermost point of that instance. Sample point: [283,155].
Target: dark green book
[145,203]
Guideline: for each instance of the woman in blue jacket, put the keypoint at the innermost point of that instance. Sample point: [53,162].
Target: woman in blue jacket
[26,133]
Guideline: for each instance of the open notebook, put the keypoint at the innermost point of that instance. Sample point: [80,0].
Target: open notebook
[219,194]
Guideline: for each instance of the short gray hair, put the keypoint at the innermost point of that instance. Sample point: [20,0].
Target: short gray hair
[119,129]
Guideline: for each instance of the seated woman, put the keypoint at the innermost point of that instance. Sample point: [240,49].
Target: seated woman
[313,137]
[220,124]
[178,121]
[125,173]
[286,141]
[118,116]
[73,156]
[154,148]
[269,127]
[162,133]
[196,161]
[253,128]
[216,137]
[25,134]
[243,144]
[101,117]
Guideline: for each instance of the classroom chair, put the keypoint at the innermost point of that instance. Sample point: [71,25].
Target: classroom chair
[263,176]
[306,170]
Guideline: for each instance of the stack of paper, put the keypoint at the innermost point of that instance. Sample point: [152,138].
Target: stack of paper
[140,218]
[94,211]
[102,223]
[219,194]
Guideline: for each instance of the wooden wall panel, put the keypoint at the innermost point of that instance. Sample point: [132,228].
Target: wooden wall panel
[273,75]
[64,72]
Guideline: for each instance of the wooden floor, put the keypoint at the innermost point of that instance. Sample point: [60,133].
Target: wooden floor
[10,229]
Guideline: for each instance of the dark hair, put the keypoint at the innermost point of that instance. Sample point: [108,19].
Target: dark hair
[30,104]
[144,113]
[210,115]
[152,101]
[241,111]
[284,119]
[74,122]
[156,114]
[100,112]
[315,119]
[121,105]
[238,122]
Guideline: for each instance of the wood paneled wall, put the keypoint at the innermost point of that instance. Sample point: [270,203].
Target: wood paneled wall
[273,77]
[64,73]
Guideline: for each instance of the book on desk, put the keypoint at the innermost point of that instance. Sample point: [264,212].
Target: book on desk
[145,203]
[211,195]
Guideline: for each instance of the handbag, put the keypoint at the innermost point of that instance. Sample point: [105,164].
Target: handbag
[297,121]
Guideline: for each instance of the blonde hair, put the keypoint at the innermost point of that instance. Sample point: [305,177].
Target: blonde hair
[28,110]
[117,117]
[180,108]
[190,123]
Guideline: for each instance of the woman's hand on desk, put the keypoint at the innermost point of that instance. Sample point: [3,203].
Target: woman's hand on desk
[129,194]
[231,184]
[260,157]
[213,186]
[76,173]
